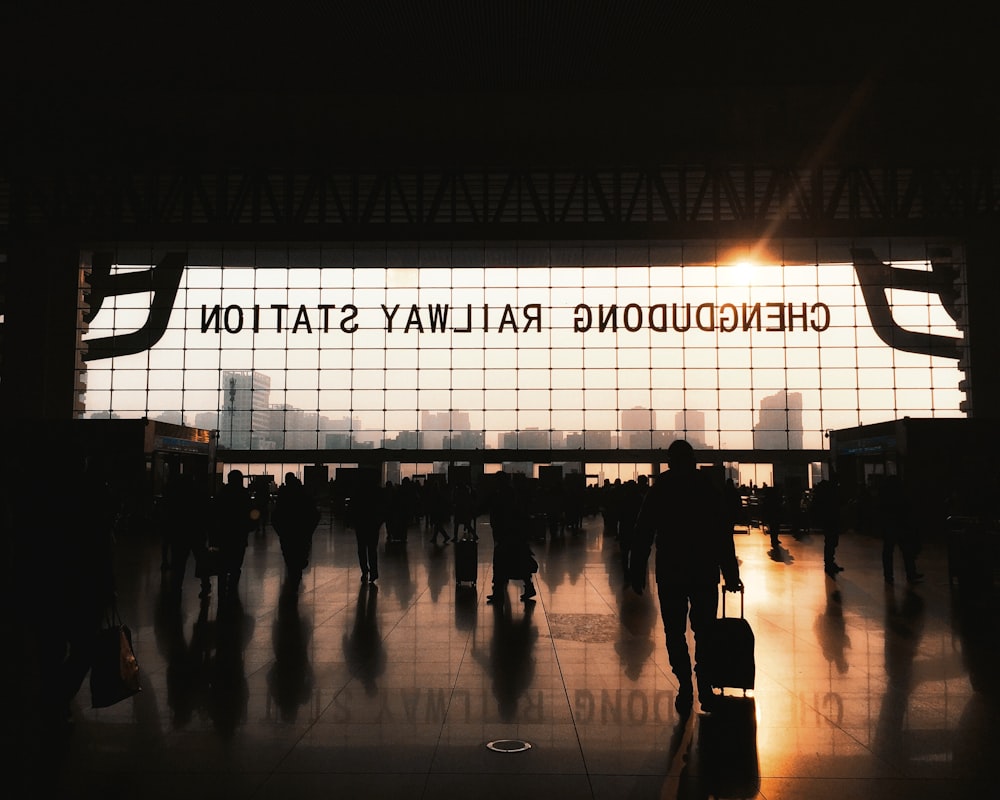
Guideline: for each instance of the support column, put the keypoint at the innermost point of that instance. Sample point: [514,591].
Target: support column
[983,276]
[40,330]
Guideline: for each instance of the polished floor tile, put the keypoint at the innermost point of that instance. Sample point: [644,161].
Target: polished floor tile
[862,690]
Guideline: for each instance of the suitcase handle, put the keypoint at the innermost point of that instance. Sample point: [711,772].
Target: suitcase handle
[724,593]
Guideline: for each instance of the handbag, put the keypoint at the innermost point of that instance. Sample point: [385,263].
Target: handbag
[114,671]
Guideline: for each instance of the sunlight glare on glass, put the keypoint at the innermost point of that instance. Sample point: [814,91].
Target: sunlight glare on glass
[739,273]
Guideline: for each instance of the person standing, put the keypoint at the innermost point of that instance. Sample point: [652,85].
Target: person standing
[771,513]
[897,531]
[368,510]
[294,519]
[826,512]
[463,502]
[684,514]
[233,522]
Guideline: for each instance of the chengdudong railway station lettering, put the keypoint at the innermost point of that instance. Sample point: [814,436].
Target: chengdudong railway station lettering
[443,318]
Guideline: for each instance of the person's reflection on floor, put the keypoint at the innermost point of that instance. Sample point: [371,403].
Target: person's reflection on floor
[831,632]
[635,644]
[680,782]
[977,738]
[363,647]
[290,679]
[511,658]
[904,623]
[230,690]
[182,665]
[438,571]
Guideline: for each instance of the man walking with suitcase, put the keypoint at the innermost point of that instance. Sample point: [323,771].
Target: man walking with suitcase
[685,513]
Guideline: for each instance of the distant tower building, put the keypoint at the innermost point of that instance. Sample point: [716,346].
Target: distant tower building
[690,425]
[779,425]
[637,426]
[246,396]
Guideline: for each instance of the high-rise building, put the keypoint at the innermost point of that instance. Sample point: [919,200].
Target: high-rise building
[637,427]
[779,425]
[246,408]
[690,425]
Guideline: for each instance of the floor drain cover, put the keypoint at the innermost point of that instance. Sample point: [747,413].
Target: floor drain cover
[509,745]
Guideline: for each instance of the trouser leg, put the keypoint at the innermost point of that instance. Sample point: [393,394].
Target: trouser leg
[674,613]
[704,608]
[888,552]
[830,541]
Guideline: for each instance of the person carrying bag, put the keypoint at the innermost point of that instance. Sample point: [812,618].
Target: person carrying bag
[114,671]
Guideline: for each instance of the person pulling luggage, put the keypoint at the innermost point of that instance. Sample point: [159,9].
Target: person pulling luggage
[684,513]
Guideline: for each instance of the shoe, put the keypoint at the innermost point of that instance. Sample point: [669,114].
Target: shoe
[529,593]
[364,576]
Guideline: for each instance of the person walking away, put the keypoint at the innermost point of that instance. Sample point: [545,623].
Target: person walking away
[684,514]
[633,494]
[512,556]
[897,531]
[294,520]
[186,499]
[233,523]
[260,494]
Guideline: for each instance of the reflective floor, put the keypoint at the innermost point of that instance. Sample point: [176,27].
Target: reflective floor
[862,690]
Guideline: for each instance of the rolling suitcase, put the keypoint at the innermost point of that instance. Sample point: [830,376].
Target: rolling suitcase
[466,561]
[730,658]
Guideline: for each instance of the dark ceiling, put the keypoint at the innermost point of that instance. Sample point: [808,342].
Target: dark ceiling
[484,82]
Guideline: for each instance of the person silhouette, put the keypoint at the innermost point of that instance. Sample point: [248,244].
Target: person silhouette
[512,555]
[897,531]
[685,514]
[369,508]
[294,519]
[233,523]
[76,551]
[826,512]
[186,500]
[771,512]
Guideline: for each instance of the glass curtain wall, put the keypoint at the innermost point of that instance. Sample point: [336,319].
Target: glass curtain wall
[547,346]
